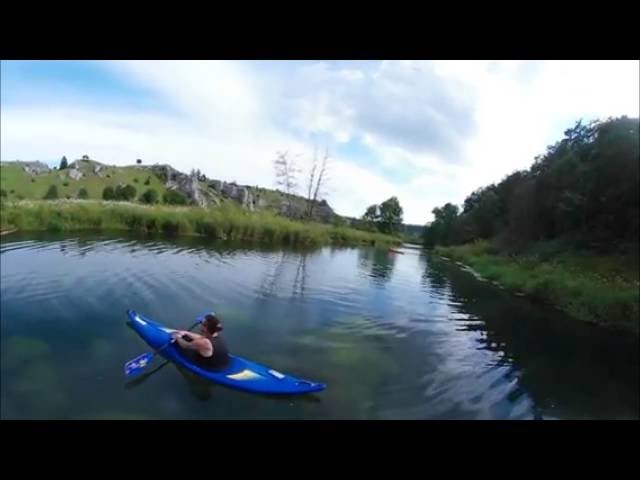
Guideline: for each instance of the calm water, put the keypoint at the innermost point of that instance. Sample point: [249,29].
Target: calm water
[394,336]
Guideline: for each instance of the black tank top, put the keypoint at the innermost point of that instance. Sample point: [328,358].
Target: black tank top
[220,357]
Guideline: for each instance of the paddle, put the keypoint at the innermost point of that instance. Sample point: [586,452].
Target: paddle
[136,365]
[140,379]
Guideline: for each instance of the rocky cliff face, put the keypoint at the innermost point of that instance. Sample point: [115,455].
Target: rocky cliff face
[32,168]
[240,193]
[196,190]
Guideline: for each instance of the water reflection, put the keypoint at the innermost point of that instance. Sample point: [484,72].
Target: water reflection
[379,263]
[300,280]
[540,343]
[407,336]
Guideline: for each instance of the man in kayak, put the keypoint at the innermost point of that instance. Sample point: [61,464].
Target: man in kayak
[208,350]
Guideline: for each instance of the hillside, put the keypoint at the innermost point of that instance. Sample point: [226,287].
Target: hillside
[31,180]
[20,180]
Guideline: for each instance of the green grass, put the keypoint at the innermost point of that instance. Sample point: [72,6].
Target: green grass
[224,222]
[602,289]
[13,177]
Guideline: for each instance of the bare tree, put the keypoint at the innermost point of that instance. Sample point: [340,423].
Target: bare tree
[320,180]
[312,173]
[286,172]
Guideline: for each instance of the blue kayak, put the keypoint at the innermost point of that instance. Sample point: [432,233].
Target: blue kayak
[241,374]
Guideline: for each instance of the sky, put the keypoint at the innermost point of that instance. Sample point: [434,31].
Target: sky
[427,132]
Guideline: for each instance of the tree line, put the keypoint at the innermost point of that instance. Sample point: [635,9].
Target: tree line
[584,189]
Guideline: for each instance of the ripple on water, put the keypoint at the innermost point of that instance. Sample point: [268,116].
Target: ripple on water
[392,338]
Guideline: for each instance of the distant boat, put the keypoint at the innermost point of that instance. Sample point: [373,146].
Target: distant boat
[393,250]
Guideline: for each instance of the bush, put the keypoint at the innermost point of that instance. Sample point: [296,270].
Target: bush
[3,193]
[174,197]
[135,180]
[82,193]
[150,196]
[126,193]
[108,193]
[33,180]
[148,181]
[52,193]
[65,183]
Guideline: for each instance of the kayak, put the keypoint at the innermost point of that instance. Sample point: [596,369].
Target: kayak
[241,374]
[393,250]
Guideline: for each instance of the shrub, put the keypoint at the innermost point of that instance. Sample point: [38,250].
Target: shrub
[150,196]
[52,193]
[108,193]
[174,197]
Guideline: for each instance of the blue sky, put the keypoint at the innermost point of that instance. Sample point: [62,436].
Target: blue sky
[427,132]
[27,83]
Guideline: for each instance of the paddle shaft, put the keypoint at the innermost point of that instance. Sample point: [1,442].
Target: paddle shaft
[156,351]
[172,340]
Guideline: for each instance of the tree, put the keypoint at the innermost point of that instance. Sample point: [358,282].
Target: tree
[440,231]
[372,214]
[174,197]
[485,213]
[584,190]
[139,161]
[52,193]
[63,163]
[316,183]
[390,216]
[286,172]
[108,193]
[369,220]
[82,193]
[386,217]
[312,173]
[150,196]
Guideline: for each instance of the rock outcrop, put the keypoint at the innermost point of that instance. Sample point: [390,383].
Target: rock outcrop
[32,168]
[187,184]
[75,174]
[240,193]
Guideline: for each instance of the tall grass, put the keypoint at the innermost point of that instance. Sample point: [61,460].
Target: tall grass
[590,287]
[224,222]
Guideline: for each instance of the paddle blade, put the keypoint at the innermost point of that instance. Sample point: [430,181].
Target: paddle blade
[132,367]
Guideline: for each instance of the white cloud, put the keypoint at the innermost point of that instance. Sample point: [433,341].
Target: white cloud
[446,127]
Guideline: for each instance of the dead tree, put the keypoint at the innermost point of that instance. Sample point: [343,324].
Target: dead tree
[320,180]
[286,172]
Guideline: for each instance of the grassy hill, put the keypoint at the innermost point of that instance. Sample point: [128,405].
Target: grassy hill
[18,184]
[19,181]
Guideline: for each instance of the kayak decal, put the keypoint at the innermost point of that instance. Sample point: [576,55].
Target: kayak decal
[139,320]
[276,374]
[243,375]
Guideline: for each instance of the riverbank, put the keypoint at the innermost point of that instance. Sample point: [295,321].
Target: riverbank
[602,289]
[226,222]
